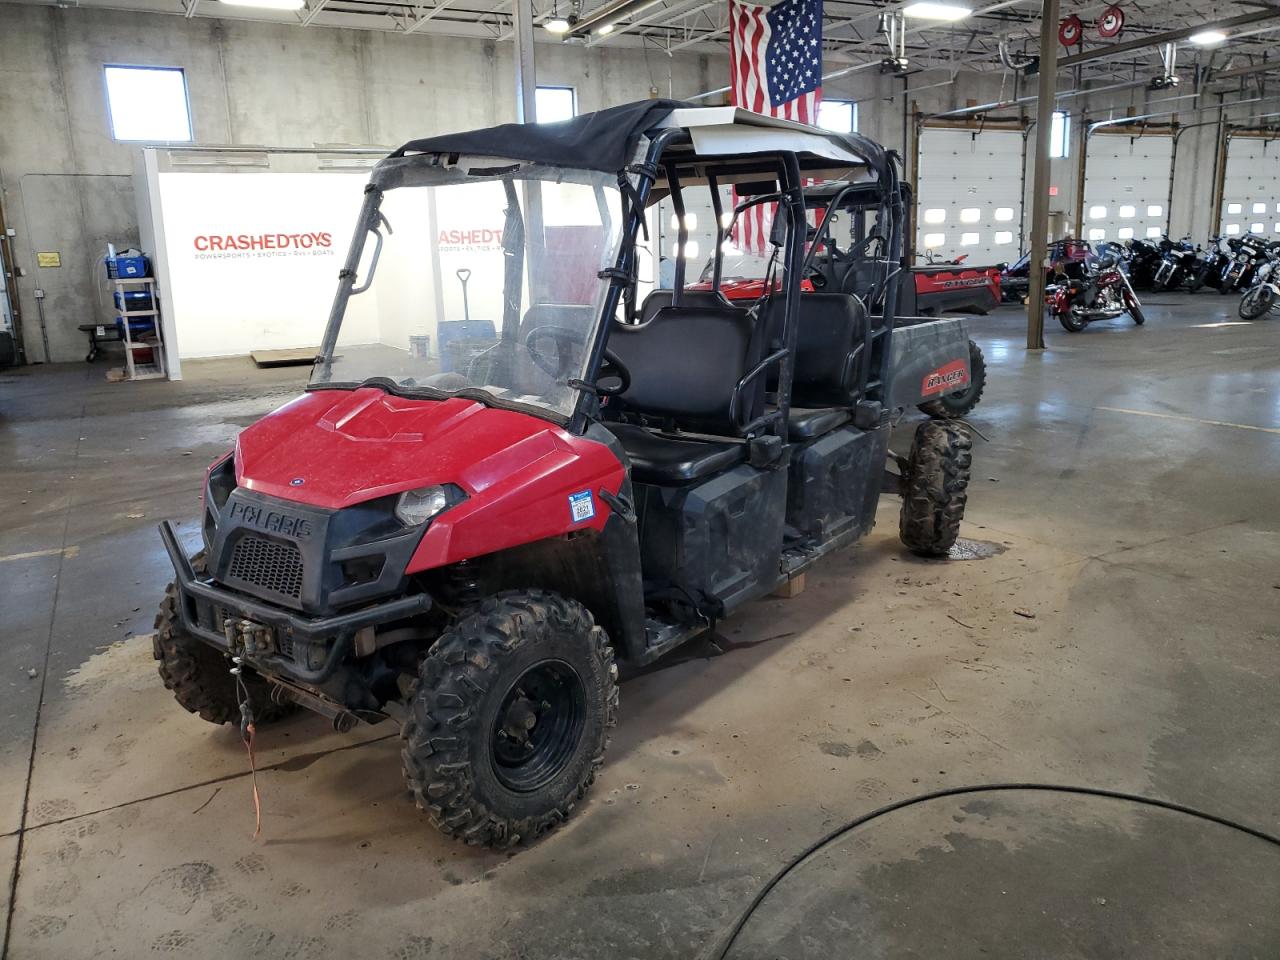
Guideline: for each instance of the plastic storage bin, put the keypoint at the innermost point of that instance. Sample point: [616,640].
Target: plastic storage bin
[133,300]
[124,268]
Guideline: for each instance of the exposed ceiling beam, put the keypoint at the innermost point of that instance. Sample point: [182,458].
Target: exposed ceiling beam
[1167,36]
[316,8]
[427,17]
[1244,71]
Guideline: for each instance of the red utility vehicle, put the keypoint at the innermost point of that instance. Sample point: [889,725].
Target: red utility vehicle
[471,547]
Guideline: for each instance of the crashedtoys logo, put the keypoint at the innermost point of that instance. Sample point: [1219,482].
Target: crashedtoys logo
[225,246]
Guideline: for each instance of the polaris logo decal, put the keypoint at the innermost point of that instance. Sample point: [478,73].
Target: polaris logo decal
[271,521]
[945,379]
[581,507]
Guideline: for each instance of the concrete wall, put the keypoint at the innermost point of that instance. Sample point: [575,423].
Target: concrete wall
[65,185]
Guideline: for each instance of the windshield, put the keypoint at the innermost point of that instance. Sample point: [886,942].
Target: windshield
[484,284]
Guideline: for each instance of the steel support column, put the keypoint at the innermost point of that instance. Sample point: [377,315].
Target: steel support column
[1040,180]
[526,82]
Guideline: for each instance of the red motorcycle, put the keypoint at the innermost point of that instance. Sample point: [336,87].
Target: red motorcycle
[1103,294]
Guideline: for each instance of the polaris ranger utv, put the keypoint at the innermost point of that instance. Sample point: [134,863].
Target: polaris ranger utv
[472,547]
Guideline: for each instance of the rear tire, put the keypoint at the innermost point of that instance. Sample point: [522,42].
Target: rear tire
[1256,302]
[1070,323]
[960,402]
[935,487]
[509,718]
[199,676]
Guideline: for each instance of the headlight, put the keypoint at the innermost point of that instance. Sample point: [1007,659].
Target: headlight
[416,507]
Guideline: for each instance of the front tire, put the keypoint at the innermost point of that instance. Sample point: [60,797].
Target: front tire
[960,402]
[1135,311]
[509,718]
[935,487]
[199,676]
[1256,302]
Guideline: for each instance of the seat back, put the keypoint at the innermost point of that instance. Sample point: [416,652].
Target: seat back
[661,297]
[831,327]
[686,363]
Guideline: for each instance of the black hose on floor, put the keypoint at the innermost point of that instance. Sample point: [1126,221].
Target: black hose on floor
[838,832]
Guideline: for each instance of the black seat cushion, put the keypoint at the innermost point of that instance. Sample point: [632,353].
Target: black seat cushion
[805,424]
[686,363]
[665,460]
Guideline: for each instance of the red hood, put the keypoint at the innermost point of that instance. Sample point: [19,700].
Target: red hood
[335,448]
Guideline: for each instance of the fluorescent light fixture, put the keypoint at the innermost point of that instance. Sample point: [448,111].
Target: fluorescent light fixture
[930,10]
[556,25]
[267,4]
[604,30]
[1207,38]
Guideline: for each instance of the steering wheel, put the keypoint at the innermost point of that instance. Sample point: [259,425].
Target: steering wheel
[565,342]
[612,369]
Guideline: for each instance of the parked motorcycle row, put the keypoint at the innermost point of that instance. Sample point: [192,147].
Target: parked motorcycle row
[1087,284]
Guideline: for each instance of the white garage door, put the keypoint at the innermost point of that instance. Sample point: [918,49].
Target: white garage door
[1126,186]
[1251,188]
[970,198]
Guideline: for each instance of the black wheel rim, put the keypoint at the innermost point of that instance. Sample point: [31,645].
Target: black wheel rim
[538,726]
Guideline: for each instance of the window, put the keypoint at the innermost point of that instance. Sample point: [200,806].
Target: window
[1127,211]
[970,215]
[690,221]
[553,104]
[1259,208]
[1125,233]
[1235,208]
[968,239]
[1277,228]
[148,103]
[1098,212]
[1153,232]
[1155,210]
[1059,129]
[936,215]
[1097,233]
[1255,228]
[1233,229]
[1004,214]
[691,250]
[1003,237]
[932,240]
[840,116]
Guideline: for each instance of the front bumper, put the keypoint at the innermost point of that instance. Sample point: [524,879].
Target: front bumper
[335,634]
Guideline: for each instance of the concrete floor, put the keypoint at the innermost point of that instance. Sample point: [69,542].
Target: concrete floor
[1131,487]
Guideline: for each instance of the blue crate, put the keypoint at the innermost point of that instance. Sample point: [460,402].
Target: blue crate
[132,300]
[138,328]
[126,268]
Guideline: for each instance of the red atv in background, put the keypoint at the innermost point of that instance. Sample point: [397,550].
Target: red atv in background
[471,549]
[1102,293]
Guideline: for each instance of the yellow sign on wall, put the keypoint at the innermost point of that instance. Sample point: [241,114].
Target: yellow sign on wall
[49,259]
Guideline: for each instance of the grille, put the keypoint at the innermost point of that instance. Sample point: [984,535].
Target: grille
[268,565]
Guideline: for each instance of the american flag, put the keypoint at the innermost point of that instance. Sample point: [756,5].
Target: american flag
[775,57]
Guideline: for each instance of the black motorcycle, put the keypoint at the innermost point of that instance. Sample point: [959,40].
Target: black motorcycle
[1212,263]
[1177,265]
[1246,254]
[1144,259]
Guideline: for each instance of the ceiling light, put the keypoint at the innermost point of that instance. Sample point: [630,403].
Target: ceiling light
[267,4]
[929,10]
[556,25]
[605,30]
[1207,38]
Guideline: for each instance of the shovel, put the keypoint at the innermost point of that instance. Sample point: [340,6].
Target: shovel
[464,275]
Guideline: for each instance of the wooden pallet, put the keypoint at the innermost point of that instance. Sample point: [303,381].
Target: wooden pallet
[299,356]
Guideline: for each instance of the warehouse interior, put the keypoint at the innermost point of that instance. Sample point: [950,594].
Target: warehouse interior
[1104,629]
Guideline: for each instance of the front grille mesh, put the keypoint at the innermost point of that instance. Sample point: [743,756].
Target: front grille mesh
[268,565]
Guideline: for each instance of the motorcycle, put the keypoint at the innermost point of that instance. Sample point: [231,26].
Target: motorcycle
[1177,265]
[1145,258]
[1264,296]
[1237,274]
[1103,295]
